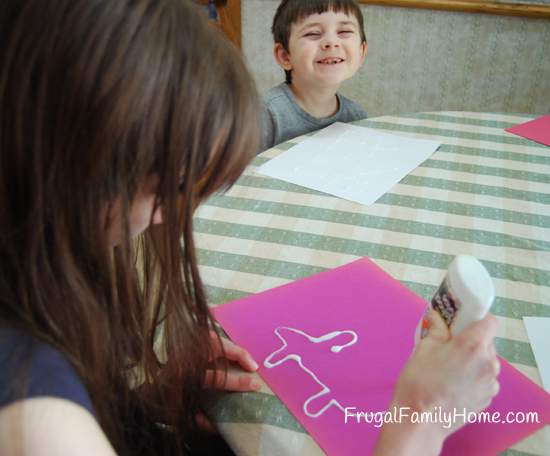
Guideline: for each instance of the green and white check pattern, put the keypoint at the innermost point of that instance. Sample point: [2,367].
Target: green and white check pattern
[485,192]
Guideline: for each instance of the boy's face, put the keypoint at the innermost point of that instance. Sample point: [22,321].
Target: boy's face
[323,50]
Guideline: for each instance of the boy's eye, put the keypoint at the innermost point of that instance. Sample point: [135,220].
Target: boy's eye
[312,34]
[346,32]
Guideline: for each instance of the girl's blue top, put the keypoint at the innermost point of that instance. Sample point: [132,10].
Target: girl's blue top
[30,368]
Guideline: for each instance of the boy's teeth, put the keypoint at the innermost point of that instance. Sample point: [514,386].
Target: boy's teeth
[331,61]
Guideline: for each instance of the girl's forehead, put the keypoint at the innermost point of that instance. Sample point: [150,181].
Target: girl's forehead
[328,17]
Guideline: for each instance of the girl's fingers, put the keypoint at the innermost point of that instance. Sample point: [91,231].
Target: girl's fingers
[495,388]
[492,350]
[233,352]
[437,329]
[496,367]
[234,381]
[205,424]
[479,333]
[215,344]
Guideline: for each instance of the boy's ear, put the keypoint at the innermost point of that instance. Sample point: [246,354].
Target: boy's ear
[282,57]
[363,51]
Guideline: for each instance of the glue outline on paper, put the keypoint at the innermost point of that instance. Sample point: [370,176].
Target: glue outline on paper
[295,357]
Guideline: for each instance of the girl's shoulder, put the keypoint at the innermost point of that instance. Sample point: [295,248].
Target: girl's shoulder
[50,426]
[44,406]
[33,369]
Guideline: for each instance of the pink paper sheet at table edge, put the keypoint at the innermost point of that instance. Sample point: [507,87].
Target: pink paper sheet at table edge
[240,318]
[537,130]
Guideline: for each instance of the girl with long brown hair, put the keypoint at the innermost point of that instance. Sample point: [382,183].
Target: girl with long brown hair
[111,111]
[115,116]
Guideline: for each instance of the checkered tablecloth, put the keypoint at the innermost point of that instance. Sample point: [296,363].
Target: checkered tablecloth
[485,192]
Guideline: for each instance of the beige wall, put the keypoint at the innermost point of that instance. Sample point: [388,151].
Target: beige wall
[423,60]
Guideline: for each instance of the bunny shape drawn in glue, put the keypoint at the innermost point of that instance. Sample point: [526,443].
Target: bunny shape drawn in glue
[328,345]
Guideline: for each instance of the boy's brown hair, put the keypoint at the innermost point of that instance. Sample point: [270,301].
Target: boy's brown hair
[291,11]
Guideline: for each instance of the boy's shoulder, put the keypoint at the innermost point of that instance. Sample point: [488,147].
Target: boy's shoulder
[278,95]
[351,108]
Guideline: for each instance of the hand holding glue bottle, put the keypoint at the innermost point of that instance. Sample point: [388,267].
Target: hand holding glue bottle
[454,366]
[464,296]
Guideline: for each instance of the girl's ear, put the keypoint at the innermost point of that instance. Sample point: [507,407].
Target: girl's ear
[282,57]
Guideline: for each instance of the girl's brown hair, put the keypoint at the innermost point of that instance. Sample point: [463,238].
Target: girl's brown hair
[95,97]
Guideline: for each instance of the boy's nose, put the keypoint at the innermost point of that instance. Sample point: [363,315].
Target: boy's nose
[329,43]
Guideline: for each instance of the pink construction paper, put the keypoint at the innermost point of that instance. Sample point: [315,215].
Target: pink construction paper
[538,130]
[362,298]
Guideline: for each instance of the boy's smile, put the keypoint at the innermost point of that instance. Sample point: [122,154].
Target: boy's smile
[324,50]
[330,61]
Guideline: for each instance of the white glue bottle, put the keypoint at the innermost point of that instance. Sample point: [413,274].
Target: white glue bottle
[464,296]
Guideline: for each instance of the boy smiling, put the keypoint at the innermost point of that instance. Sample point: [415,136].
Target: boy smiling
[319,44]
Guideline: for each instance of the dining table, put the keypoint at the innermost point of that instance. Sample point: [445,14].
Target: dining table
[485,192]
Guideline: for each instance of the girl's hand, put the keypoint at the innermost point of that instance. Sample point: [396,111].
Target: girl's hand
[457,373]
[452,373]
[236,379]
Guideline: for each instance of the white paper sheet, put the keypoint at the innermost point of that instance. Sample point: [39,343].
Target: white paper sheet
[356,163]
[538,331]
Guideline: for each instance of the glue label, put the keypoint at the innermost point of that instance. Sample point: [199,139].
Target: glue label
[464,296]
